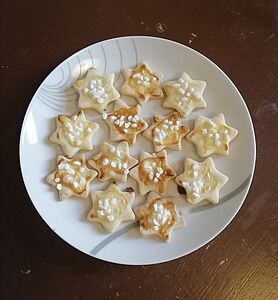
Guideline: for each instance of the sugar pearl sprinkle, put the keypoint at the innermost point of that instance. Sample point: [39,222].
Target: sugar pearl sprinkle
[167,127]
[117,161]
[214,134]
[74,130]
[106,208]
[185,92]
[159,216]
[143,80]
[125,122]
[71,175]
[97,90]
[196,185]
[154,171]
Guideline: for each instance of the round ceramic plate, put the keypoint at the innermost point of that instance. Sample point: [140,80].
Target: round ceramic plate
[68,218]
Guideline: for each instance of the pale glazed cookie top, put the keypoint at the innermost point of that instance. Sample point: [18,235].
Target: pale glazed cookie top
[185,94]
[113,162]
[153,172]
[158,216]
[111,207]
[96,90]
[74,133]
[201,180]
[212,135]
[125,122]
[72,177]
[166,132]
[141,83]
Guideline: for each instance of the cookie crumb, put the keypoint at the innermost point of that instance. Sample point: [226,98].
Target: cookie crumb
[27,272]
[223,261]
[160,27]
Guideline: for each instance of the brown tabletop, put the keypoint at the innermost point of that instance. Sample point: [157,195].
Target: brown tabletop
[241,37]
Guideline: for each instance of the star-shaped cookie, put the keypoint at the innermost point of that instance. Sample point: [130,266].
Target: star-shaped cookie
[113,162]
[212,135]
[96,90]
[111,207]
[158,216]
[74,133]
[166,132]
[153,172]
[142,84]
[201,180]
[72,177]
[184,94]
[125,122]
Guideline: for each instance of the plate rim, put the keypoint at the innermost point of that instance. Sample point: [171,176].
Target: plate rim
[178,44]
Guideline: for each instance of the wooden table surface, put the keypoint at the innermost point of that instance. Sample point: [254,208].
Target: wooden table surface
[241,37]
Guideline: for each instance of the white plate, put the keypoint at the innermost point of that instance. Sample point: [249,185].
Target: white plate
[68,218]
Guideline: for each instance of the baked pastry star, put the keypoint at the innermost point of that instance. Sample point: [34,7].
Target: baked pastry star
[113,162]
[72,177]
[212,135]
[166,132]
[158,216]
[141,83]
[96,90]
[125,122]
[111,207]
[184,94]
[74,133]
[153,172]
[201,180]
